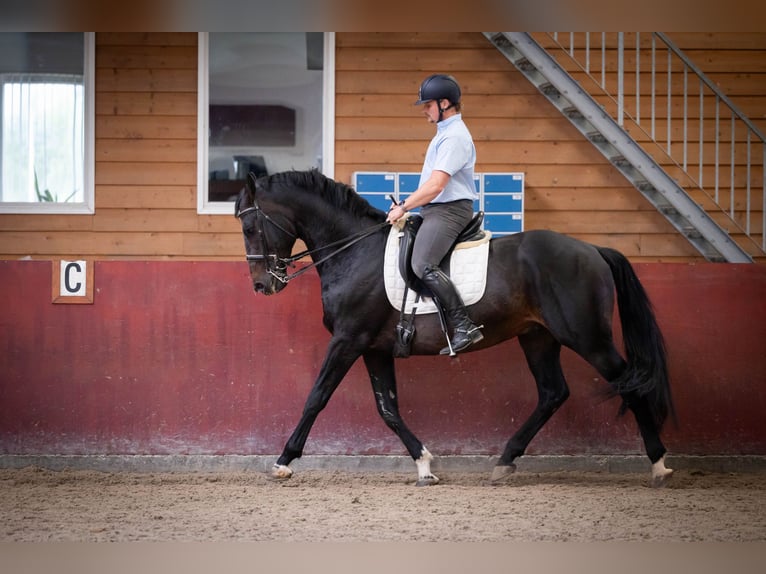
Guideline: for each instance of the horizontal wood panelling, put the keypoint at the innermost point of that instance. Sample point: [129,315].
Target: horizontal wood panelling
[159,39]
[532,152]
[146,196]
[146,127]
[750,84]
[146,57]
[146,173]
[383,106]
[38,223]
[687,41]
[89,243]
[143,80]
[130,219]
[146,143]
[483,129]
[404,82]
[569,185]
[411,40]
[146,104]
[422,61]
[145,159]
[549,175]
[147,150]
[710,61]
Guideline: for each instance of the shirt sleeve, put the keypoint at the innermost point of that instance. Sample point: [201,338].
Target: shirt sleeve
[452,155]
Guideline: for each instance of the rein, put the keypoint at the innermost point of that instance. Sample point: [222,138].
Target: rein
[276,265]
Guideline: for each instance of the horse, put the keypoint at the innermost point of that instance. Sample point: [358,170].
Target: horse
[545,288]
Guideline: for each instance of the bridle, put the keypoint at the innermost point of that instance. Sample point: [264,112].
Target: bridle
[277,266]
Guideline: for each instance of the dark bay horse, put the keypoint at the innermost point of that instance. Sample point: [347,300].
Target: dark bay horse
[545,288]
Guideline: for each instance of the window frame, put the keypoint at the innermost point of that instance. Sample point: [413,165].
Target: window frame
[207,207]
[87,206]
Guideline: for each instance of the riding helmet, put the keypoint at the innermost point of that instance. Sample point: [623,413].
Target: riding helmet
[439,87]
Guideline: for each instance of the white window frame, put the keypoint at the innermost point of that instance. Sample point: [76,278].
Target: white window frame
[87,206]
[204,206]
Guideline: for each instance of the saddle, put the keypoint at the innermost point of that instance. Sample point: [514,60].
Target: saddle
[471,232]
[466,263]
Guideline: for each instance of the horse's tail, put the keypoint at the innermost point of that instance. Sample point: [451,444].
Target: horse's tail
[647,372]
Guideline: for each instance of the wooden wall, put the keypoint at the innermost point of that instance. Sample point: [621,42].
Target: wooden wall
[146,124]
[570,186]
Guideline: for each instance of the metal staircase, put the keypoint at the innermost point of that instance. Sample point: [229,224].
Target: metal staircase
[622,151]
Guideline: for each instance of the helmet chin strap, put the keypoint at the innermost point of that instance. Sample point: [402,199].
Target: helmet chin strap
[442,110]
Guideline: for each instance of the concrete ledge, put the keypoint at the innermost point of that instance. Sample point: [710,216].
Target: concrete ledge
[377,463]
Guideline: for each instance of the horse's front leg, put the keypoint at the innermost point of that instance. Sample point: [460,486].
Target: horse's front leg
[380,367]
[340,355]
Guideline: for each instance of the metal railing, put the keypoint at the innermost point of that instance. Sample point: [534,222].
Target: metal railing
[665,94]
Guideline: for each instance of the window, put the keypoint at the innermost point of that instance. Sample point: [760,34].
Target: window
[46,122]
[265,105]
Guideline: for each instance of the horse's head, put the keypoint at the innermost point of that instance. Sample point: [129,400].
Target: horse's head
[269,237]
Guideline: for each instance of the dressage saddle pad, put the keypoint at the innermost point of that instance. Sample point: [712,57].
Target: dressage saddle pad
[468,271]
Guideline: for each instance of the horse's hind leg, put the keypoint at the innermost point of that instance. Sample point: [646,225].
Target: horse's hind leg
[649,429]
[543,357]
[380,367]
[611,365]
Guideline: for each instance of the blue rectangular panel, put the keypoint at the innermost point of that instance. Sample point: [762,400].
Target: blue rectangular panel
[506,202]
[503,182]
[501,224]
[379,200]
[377,182]
[408,182]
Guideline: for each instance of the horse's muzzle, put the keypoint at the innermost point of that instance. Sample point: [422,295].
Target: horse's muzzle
[267,286]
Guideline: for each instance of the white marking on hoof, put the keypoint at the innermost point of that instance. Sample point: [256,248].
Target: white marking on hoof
[281,472]
[660,474]
[502,472]
[425,477]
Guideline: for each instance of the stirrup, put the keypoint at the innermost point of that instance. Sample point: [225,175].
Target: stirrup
[472,335]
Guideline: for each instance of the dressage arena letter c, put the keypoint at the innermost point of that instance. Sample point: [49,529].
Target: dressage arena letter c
[73,281]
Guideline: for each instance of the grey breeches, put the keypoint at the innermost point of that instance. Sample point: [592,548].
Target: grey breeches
[442,222]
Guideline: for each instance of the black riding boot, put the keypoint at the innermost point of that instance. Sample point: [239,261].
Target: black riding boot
[464,332]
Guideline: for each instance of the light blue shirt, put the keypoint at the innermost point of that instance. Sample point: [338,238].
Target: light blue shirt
[452,151]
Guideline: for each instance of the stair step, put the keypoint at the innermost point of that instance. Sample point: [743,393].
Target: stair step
[572,113]
[619,161]
[524,65]
[549,90]
[596,137]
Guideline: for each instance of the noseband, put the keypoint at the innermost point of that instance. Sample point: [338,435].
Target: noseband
[276,266]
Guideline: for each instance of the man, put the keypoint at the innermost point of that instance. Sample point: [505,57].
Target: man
[445,194]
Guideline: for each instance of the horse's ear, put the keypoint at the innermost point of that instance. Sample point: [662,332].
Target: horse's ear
[251,184]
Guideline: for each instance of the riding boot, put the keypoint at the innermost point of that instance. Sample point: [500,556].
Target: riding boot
[464,331]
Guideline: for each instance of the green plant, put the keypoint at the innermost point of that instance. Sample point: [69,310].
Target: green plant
[46,195]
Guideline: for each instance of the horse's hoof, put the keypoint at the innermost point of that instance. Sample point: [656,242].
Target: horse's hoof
[660,473]
[502,472]
[427,481]
[662,480]
[280,472]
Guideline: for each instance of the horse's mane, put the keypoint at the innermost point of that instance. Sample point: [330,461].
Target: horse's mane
[337,194]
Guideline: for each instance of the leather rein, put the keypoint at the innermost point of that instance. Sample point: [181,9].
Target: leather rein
[276,265]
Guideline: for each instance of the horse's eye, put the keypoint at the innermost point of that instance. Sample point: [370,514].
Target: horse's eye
[248,230]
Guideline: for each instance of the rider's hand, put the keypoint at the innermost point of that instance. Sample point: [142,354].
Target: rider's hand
[395,213]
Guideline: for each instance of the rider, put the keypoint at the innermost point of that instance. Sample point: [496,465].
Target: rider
[445,194]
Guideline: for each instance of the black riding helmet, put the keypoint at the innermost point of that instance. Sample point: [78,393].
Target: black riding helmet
[439,87]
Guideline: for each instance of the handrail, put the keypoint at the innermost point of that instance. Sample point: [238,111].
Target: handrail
[741,216]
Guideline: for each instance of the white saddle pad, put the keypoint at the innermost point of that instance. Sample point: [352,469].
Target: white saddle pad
[468,271]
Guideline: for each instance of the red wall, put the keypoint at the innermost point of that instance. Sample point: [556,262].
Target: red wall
[183,358]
